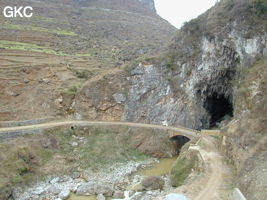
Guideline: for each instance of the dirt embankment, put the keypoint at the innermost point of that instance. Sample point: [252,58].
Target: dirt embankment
[246,136]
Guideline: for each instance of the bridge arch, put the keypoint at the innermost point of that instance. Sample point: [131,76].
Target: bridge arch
[178,141]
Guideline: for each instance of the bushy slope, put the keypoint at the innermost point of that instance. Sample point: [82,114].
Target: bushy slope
[246,135]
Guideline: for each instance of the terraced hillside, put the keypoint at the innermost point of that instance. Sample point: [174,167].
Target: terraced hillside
[49,56]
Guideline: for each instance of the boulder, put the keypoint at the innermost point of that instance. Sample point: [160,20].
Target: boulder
[86,189]
[55,180]
[44,80]
[101,197]
[75,175]
[119,98]
[38,191]
[5,192]
[103,188]
[26,80]
[175,197]
[64,194]
[74,144]
[88,174]
[13,93]
[152,183]
[53,189]
[118,195]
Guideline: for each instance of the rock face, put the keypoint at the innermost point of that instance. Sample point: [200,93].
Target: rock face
[64,194]
[86,189]
[149,3]
[100,197]
[153,183]
[175,197]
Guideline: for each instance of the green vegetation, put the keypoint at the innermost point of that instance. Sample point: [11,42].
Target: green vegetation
[83,74]
[83,54]
[184,164]
[21,46]
[98,150]
[34,28]
[170,64]
[230,4]
[170,79]
[193,26]
[127,68]
[261,6]
[182,168]
[72,91]
[19,158]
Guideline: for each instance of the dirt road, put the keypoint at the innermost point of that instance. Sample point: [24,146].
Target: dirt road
[213,159]
[180,130]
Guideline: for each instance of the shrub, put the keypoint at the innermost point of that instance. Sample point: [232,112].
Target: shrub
[194,26]
[83,74]
[261,6]
[72,91]
[170,65]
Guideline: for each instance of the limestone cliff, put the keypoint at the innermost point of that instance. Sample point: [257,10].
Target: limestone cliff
[149,3]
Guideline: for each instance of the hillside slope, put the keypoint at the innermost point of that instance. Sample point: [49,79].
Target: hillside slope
[66,43]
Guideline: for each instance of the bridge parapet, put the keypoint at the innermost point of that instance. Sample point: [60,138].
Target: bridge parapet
[205,132]
[186,132]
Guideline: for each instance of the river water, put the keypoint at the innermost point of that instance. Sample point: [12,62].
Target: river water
[163,167]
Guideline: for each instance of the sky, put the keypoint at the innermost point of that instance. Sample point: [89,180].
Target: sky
[179,11]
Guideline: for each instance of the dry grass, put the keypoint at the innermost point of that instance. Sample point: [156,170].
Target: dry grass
[247,136]
[27,159]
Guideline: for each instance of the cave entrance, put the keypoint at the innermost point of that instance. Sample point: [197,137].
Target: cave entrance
[218,107]
[178,142]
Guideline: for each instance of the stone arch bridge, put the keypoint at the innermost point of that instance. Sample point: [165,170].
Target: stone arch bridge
[16,131]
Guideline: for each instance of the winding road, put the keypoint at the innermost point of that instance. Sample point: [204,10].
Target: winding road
[212,158]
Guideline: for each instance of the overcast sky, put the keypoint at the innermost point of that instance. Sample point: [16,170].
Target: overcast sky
[179,11]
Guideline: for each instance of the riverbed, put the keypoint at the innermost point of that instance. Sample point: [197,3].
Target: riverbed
[160,168]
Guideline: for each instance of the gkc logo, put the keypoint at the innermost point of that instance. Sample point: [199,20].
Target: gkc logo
[11,12]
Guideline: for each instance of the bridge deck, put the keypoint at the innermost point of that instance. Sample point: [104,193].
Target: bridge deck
[173,131]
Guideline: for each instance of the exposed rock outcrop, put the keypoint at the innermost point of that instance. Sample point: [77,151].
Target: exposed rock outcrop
[149,3]
[153,183]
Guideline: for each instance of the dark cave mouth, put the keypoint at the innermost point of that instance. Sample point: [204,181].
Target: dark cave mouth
[219,107]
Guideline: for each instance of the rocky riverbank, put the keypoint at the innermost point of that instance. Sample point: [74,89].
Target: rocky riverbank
[119,181]
[111,181]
